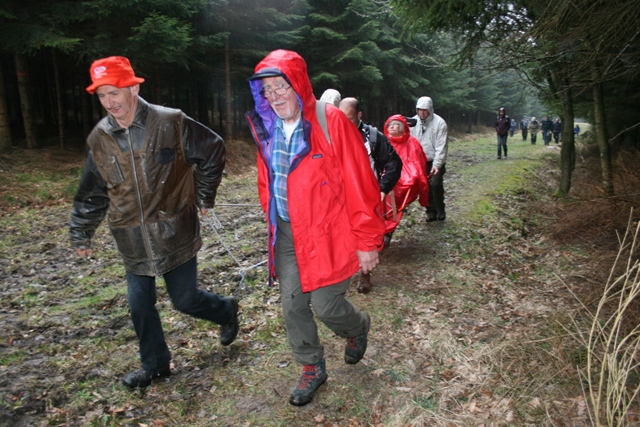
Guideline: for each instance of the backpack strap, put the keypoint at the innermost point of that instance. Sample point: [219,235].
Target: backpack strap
[321,114]
[373,134]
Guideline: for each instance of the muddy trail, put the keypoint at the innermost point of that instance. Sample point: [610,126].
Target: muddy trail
[464,333]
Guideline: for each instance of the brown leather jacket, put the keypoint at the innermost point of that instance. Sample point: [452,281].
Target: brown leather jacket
[149,180]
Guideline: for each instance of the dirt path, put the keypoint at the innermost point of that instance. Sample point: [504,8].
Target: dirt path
[465,320]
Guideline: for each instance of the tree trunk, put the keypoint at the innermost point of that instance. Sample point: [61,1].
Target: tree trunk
[56,76]
[601,133]
[85,108]
[227,84]
[157,96]
[5,128]
[25,102]
[568,151]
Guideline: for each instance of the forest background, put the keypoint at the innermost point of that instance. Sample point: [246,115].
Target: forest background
[562,58]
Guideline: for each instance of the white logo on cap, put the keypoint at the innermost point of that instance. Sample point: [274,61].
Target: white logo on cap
[99,72]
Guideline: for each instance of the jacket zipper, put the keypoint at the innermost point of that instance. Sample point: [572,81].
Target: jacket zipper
[143,228]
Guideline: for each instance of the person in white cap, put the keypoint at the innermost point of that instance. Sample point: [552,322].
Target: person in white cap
[432,133]
[149,170]
[331,96]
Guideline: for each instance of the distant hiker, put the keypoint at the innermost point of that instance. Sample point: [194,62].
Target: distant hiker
[576,131]
[149,170]
[384,161]
[546,126]
[524,127]
[534,128]
[557,130]
[512,128]
[414,179]
[324,217]
[502,129]
[331,96]
[431,132]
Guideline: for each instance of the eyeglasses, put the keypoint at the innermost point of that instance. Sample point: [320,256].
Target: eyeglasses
[280,90]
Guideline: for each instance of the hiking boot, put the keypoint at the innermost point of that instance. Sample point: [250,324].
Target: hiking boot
[357,346]
[229,332]
[364,284]
[432,216]
[141,378]
[442,217]
[313,376]
[387,240]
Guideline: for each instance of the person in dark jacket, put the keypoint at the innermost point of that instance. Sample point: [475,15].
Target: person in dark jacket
[385,162]
[557,130]
[503,124]
[524,127]
[512,129]
[546,126]
[149,169]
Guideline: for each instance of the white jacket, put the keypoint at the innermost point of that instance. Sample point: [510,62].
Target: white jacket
[432,133]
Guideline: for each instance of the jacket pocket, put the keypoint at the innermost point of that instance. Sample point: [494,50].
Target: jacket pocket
[326,203]
[115,175]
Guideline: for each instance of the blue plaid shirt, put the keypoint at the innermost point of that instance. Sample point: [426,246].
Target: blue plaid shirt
[281,158]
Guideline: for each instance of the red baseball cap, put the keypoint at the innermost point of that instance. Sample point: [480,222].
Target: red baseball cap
[115,71]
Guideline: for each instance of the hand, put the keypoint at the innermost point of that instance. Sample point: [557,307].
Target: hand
[382,196]
[83,252]
[434,171]
[368,260]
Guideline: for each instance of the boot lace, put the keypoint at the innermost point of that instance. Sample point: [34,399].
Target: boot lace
[309,373]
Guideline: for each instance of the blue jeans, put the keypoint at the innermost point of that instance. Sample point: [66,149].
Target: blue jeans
[502,142]
[186,297]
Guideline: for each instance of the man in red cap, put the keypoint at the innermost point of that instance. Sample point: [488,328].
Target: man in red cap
[323,210]
[149,169]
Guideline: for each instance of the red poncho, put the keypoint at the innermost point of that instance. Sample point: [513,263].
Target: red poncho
[414,180]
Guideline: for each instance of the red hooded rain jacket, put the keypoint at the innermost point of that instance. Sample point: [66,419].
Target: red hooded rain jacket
[333,196]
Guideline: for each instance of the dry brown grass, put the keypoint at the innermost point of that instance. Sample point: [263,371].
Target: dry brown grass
[599,223]
[595,220]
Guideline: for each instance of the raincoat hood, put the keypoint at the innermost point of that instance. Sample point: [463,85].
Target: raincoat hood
[404,136]
[425,103]
[293,68]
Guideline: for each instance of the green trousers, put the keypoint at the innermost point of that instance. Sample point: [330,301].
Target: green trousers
[328,303]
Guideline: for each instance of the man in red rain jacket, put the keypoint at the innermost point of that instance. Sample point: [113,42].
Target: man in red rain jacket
[323,211]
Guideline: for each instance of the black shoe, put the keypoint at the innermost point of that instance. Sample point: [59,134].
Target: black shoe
[499,157]
[356,346]
[364,283]
[229,332]
[442,217]
[387,239]
[141,378]
[313,376]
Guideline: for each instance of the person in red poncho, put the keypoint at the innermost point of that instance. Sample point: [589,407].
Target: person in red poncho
[413,182]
